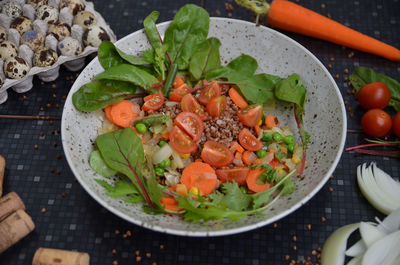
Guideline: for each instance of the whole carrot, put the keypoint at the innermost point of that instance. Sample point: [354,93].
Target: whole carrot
[289,16]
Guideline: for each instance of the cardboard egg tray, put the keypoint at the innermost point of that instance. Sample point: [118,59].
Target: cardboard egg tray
[49,73]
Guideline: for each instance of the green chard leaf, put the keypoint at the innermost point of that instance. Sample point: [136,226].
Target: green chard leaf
[291,90]
[364,75]
[120,189]
[97,163]
[242,67]
[186,33]
[99,94]
[206,59]
[257,89]
[150,28]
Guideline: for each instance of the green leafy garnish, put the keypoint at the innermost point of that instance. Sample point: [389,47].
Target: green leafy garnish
[97,163]
[205,59]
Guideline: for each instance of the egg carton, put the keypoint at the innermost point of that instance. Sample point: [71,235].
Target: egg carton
[66,15]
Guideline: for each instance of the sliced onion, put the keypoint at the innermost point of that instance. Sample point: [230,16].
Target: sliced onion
[370,233]
[356,249]
[177,159]
[384,251]
[172,177]
[164,153]
[355,261]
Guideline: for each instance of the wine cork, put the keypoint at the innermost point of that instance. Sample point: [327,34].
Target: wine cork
[49,256]
[9,204]
[14,228]
[2,168]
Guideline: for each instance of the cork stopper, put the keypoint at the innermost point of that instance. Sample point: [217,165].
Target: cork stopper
[49,256]
[14,228]
[9,204]
[2,169]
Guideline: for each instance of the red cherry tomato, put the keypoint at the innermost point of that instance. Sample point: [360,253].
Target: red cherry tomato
[153,102]
[236,173]
[189,103]
[191,124]
[212,90]
[396,124]
[181,142]
[179,92]
[251,115]
[376,122]
[374,95]
[216,154]
[249,141]
[216,106]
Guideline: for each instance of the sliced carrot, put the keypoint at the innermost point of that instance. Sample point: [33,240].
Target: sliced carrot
[107,111]
[123,113]
[181,189]
[178,82]
[238,155]
[257,130]
[199,175]
[165,135]
[284,149]
[271,121]
[235,146]
[198,160]
[252,178]
[239,148]
[170,204]
[237,98]
[249,157]
[292,17]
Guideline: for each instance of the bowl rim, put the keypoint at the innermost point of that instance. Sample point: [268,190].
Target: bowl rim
[222,232]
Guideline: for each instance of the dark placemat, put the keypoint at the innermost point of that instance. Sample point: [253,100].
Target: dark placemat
[67,217]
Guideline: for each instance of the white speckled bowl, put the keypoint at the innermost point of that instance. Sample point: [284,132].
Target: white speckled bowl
[276,54]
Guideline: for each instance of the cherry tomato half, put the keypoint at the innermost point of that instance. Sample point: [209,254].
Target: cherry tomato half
[191,124]
[181,142]
[216,154]
[236,173]
[212,90]
[251,115]
[216,106]
[396,124]
[179,92]
[249,141]
[374,95]
[153,102]
[189,103]
[376,122]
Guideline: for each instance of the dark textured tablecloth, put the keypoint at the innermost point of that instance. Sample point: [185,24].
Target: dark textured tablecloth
[73,220]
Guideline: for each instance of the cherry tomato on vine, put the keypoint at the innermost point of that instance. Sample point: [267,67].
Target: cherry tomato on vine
[374,95]
[396,124]
[376,122]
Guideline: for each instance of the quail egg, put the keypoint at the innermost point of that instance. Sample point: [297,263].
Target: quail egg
[73,5]
[33,40]
[69,47]
[44,57]
[46,13]
[16,68]
[37,3]
[94,35]
[8,50]
[22,24]
[3,34]
[85,19]
[59,30]
[12,9]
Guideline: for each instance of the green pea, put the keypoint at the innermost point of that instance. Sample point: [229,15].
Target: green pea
[277,137]
[162,143]
[267,137]
[288,139]
[243,189]
[141,128]
[165,163]
[290,148]
[159,171]
[261,153]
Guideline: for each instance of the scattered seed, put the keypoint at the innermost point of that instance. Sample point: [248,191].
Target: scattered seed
[64,97]
[124,236]
[52,170]
[217,12]
[346,79]
[63,194]
[114,251]
[294,248]
[55,144]
[58,172]
[308,227]
[41,83]
[294,238]
[57,106]
[229,14]
[54,96]
[314,252]
[308,258]
[41,133]
[332,59]
[53,85]
[43,210]
[51,122]
[48,105]
[348,91]
[58,131]
[319,249]
[348,83]
[138,258]
[41,108]
[24,97]
[148,254]
[351,115]
[329,66]
[350,55]
[115,262]
[275,225]
[161,246]
[323,219]
[337,76]
[137,252]
[323,5]
[346,71]
[287,257]
[329,15]
[154,263]
[35,146]
[117,232]
[128,233]
[330,189]
[349,108]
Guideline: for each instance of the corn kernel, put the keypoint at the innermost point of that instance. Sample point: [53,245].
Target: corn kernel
[296,160]
[184,155]
[194,190]
[181,189]
[260,122]
[280,170]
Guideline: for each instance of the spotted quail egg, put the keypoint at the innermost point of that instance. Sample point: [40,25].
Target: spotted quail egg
[37,3]
[73,5]
[33,40]
[46,13]
[8,50]
[22,24]
[44,57]
[16,68]
[3,34]
[12,9]
[94,35]
[85,19]
[69,47]
[59,30]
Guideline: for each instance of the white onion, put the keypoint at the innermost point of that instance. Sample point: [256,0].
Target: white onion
[164,153]
[355,261]
[177,159]
[172,177]
[370,233]
[384,251]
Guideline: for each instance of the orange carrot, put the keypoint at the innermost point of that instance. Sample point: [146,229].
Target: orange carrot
[107,111]
[165,135]
[252,178]
[178,82]
[271,121]
[292,17]
[170,204]
[199,175]
[237,98]
[249,157]
[123,113]
[257,130]
[235,146]
[238,155]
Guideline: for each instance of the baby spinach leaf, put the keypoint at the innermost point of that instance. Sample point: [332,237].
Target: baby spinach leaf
[128,73]
[188,30]
[291,90]
[240,68]
[206,59]
[120,189]
[99,94]
[257,89]
[150,28]
[97,163]
[364,75]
